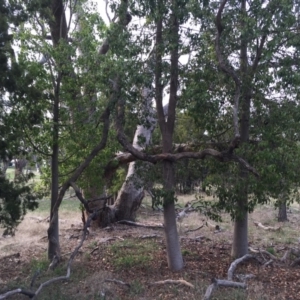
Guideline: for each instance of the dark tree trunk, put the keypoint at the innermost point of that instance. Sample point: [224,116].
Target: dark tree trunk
[282,208]
[53,244]
[58,28]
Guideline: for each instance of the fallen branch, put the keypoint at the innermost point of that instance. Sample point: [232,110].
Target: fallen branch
[107,239]
[118,282]
[170,281]
[295,262]
[192,230]
[150,236]
[226,283]
[269,228]
[130,223]
[269,262]
[235,263]
[33,295]
[95,249]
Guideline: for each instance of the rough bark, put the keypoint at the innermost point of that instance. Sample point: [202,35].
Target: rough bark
[282,209]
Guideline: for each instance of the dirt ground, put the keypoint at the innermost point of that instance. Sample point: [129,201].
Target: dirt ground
[137,257]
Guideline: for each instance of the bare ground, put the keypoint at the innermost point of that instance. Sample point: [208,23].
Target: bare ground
[139,262]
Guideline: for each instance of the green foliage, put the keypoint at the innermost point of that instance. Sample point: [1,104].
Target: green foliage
[162,197]
[15,199]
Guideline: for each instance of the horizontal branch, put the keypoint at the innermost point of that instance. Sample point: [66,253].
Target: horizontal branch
[220,156]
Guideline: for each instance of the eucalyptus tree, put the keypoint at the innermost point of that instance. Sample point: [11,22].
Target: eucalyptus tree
[238,82]
[68,67]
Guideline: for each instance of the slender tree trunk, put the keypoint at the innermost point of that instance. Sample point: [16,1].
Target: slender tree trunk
[174,255]
[53,235]
[58,28]
[240,235]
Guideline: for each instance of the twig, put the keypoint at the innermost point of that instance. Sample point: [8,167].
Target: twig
[118,282]
[269,262]
[192,230]
[150,236]
[295,262]
[95,249]
[130,223]
[170,281]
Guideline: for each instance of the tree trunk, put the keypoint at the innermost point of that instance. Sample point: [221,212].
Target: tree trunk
[19,166]
[53,235]
[282,209]
[131,193]
[174,256]
[240,235]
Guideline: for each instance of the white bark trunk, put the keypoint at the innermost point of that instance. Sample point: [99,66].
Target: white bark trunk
[132,192]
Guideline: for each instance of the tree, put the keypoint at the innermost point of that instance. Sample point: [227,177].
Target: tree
[250,37]
[15,197]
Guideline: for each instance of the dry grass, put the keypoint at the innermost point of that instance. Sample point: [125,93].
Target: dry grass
[124,260]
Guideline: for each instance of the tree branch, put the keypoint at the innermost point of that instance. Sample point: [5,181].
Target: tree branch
[229,70]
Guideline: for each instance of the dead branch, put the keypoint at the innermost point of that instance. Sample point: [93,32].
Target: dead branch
[95,249]
[170,281]
[17,291]
[118,282]
[130,223]
[286,255]
[33,295]
[226,283]
[104,240]
[295,262]
[235,263]
[262,252]
[269,262]
[192,230]
[150,236]
[269,228]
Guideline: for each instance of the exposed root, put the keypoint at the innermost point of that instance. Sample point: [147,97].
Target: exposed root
[235,263]
[170,281]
